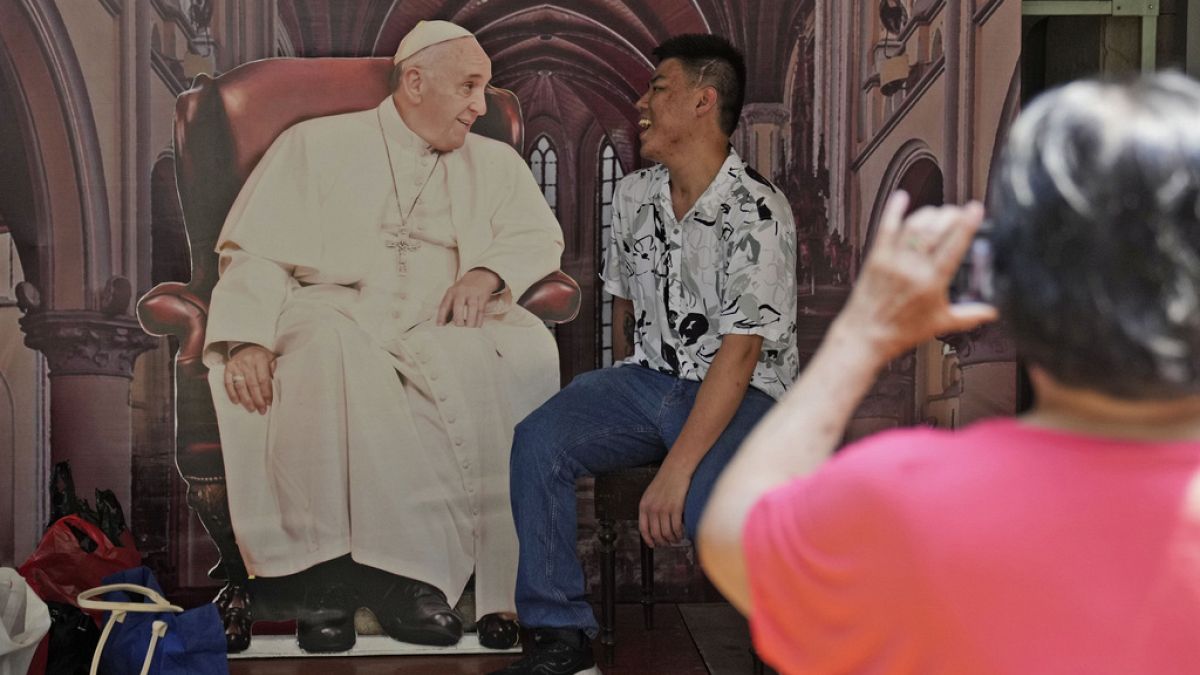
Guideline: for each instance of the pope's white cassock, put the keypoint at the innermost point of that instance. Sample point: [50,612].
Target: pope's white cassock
[389,436]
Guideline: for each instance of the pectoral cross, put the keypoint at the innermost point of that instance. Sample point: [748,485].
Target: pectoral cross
[400,241]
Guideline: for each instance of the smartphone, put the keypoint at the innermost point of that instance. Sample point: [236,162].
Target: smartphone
[973,282]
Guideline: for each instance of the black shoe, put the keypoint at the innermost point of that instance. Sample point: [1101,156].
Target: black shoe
[327,621]
[413,611]
[556,651]
[497,632]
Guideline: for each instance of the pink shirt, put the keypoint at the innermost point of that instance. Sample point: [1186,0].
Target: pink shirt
[1003,548]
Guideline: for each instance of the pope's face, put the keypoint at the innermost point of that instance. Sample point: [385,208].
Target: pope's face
[452,94]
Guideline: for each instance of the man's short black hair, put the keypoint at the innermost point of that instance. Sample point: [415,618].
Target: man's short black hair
[1096,236]
[712,61]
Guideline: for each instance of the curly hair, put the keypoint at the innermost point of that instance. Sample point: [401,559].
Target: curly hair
[1095,224]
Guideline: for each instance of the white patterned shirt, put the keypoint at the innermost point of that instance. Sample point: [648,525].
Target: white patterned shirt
[728,267]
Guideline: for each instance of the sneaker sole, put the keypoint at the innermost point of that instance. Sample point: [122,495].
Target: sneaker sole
[594,670]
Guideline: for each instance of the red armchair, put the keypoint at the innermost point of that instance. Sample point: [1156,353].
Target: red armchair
[222,128]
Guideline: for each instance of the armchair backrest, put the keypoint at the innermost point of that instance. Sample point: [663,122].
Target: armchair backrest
[223,126]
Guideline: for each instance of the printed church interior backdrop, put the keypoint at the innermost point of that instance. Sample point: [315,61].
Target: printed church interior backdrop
[846,102]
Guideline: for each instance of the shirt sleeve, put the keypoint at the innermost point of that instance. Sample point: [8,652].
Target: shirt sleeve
[822,561]
[612,269]
[246,303]
[759,295]
[528,242]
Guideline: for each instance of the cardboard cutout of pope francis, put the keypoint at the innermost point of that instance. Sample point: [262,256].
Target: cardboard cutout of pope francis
[369,361]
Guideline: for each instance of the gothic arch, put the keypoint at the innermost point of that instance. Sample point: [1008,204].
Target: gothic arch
[64,241]
[914,169]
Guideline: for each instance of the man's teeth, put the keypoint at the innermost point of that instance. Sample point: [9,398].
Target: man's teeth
[643,123]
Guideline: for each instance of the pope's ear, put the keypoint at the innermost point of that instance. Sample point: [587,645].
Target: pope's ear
[412,83]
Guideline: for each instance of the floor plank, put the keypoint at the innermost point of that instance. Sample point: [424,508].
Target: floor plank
[722,636]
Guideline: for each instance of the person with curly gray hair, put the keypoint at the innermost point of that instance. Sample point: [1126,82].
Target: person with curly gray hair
[1064,540]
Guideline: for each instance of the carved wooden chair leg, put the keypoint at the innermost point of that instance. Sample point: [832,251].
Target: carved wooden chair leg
[209,500]
[647,586]
[608,587]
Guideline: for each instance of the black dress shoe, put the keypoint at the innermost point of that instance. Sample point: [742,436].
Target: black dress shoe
[497,632]
[327,622]
[413,611]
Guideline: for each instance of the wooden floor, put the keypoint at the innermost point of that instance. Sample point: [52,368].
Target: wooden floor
[700,639]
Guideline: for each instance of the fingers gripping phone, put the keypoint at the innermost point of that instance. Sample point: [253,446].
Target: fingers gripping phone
[973,281]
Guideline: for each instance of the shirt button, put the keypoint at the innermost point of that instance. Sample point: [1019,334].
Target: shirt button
[396,314]
[458,441]
[402,295]
[442,398]
[451,419]
[466,465]
[433,377]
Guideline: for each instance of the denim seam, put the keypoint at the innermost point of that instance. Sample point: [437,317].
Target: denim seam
[555,466]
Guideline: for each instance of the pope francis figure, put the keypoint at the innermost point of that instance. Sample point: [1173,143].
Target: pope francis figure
[369,361]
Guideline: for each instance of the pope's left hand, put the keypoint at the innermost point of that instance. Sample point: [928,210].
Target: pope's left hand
[464,302]
[660,513]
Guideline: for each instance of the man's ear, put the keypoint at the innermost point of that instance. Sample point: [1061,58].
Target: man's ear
[706,100]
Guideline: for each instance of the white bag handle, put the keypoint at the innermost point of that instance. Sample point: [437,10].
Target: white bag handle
[120,609]
[159,603]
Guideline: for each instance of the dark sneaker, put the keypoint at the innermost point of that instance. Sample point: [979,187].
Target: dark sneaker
[497,632]
[555,651]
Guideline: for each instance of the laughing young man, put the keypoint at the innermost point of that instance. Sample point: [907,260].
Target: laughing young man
[701,266]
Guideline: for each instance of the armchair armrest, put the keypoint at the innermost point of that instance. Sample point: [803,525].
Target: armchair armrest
[553,298]
[172,309]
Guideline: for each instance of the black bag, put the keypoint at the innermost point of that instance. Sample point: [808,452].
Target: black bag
[107,515]
[73,638]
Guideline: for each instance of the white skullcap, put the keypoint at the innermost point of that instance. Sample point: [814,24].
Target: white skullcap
[427,33]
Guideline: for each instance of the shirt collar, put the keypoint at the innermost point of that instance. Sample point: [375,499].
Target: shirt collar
[708,206]
[398,132]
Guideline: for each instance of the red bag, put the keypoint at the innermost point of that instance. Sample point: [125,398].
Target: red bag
[73,556]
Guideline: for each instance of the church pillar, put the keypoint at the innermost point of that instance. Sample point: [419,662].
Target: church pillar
[90,356]
[988,360]
[761,138]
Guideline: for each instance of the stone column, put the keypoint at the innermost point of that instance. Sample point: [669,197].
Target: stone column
[90,357]
[761,138]
[988,360]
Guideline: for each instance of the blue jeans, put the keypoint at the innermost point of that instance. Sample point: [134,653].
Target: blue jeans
[604,420]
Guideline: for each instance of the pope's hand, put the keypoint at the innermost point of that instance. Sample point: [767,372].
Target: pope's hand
[465,300]
[900,299]
[248,377]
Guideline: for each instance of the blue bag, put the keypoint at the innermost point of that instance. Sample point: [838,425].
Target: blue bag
[150,636]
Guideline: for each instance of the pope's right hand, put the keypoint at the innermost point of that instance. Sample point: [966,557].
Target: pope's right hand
[248,377]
